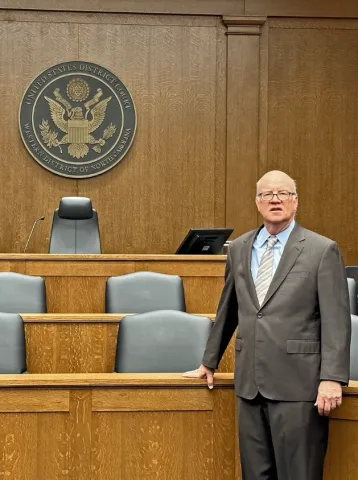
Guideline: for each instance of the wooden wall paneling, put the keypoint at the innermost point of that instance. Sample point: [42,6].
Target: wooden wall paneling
[243,91]
[302,8]
[186,7]
[312,128]
[10,266]
[92,439]
[219,190]
[27,436]
[148,446]
[79,424]
[263,102]
[224,426]
[76,294]
[71,347]
[29,191]
[165,184]
[202,294]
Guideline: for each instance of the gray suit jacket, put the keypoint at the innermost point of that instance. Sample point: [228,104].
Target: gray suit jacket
[301,333]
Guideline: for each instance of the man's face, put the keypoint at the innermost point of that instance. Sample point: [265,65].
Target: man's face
[276,210]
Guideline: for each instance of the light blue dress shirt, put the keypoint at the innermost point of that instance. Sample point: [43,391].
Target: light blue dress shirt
[260,245]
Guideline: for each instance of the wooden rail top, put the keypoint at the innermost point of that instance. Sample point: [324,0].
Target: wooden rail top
[85,317]
[113,257]
[169,380]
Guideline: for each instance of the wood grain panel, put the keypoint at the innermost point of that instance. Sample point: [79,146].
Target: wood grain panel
[186,7]
[33,446]
[103,267]
[202,295]
[163,186]
[164,400]
[242,131]
[313,128]
[114,445]
[341,461]
[71,348]
[31,191]
[75,294]
[9,266]
[302,8]
[227,363]
[224,421]
[138,445]
[34,401]
[79,425]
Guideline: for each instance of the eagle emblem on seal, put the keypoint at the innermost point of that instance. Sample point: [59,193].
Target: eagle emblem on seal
[77,122]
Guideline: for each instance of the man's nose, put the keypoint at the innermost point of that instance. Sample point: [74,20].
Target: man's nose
[275,198]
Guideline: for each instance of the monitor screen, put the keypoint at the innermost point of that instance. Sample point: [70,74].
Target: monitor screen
[204,241]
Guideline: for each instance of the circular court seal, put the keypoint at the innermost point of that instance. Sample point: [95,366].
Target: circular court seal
[77,119]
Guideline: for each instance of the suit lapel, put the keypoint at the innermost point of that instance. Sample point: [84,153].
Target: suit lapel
[247,256]
[293,249]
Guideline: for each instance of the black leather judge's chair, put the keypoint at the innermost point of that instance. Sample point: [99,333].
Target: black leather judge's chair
[75,227]
[352,290]
[164,341]
[12,344]
[141,292]
[22,293]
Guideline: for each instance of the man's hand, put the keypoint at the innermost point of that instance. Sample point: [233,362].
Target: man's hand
[329,397]
[202,372]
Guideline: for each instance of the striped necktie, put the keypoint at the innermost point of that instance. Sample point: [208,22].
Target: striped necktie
[264,274]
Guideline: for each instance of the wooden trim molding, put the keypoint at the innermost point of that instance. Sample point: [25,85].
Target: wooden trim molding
[244,25]
[186,7]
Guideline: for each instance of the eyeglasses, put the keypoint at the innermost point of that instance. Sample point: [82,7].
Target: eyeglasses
[282,196]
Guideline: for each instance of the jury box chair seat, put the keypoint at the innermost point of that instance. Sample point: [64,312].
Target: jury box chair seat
[75,227]
[22,293]
[163,341]
[142,292]
[12,344]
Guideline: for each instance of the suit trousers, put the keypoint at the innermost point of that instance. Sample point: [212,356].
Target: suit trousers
[281,440]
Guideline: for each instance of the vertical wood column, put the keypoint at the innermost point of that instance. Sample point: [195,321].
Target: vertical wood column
[243,98]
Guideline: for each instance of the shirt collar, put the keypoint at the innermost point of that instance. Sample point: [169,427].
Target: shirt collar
[282,237]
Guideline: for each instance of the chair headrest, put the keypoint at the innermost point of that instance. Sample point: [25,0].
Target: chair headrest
[75,208]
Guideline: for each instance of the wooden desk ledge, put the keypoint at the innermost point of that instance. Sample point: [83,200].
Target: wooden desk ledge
[85,317]
[169,380]
[103,257]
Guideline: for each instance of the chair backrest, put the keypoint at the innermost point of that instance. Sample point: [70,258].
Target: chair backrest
[164,341]
[12,344]
[142,292]
[75,227]
[354,349]
[22,293]
[352,290]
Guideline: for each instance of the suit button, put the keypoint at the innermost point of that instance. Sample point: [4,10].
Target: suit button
[259,315]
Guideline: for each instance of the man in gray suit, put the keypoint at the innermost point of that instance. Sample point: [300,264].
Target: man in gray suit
[286,288]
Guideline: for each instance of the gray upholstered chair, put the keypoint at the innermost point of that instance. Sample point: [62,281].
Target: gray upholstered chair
[144,292]
[164,341]
[12,344]
[22,293]
[75,227]
[352,272]
[354,349]
[352,289]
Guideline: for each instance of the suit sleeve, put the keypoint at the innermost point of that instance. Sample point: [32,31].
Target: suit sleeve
[226,320]
[335,316]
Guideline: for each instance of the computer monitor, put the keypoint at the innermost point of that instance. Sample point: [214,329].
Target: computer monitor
[204,241]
